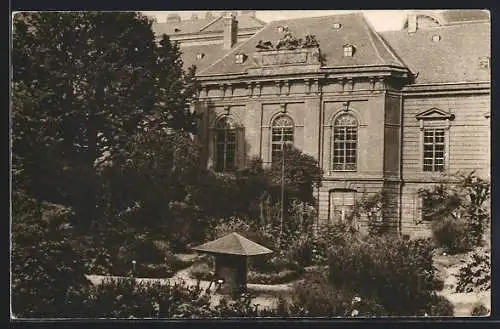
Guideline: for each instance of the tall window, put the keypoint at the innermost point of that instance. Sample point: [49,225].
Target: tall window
[225,145]
[345,143]
[434,149]
[282,133]
[341,204]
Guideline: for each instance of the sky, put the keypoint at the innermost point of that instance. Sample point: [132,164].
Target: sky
[382,20]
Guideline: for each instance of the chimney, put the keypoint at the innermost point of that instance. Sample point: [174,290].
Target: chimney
[248,13]
[173,18]
[230,30]
[412,23]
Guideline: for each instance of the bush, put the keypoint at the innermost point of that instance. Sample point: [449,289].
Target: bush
[316,297]
[398,273]
[47,272]
[283,276]
[475,276]
[329,236]
[440,306]
[126,298]
[480,310]
[452,234]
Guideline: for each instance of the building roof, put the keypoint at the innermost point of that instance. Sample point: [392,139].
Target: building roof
[233,244]
[453,58]
[370,49]
[464,15]
[211,53]
[214,24]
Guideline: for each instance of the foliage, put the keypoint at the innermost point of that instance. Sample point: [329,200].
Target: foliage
[398,273]
[47,273]
[373,207]
[440,306]
[331,236]
[302,174]
[85,85]
[452,234]
[480,310]
[475,275]
[127,298]
[465,197]
[315,297]
[283,276]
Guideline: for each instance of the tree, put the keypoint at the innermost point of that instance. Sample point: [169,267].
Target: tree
[463,199]
[84,83]
[301,174]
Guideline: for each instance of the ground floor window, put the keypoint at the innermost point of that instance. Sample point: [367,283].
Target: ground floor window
[342,204]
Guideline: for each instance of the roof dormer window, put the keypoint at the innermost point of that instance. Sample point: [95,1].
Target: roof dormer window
[337,26]
[348,50]
[240,58]
[436,38]
[200,56]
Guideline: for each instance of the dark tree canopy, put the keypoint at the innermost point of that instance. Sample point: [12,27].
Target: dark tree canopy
[84,83]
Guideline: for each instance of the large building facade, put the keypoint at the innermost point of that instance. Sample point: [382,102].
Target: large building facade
[381,111]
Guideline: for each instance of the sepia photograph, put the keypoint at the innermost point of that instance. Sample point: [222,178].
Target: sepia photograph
[263,164]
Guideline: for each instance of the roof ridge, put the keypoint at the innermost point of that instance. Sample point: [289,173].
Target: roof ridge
[440,27]
[384,43]
[321,16]
[210,23]
[234,49]
[369,32]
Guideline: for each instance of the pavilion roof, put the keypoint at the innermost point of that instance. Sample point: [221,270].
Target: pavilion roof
[233,244]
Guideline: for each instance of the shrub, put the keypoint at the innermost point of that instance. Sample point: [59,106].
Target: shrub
[328,236]
[316,297]
[126,298]
[475,275]
[452,234]
[398,273]
[480,310]
[466,198]
[47,272]
[283,276]
[440,306]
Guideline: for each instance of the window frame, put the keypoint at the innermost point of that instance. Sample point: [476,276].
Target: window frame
[348,50]
[279,143]
[345,131]
[433,119]
[228,129]
[345,209]
[432,147]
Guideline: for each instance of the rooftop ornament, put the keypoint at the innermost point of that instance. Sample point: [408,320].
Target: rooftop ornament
[288,42]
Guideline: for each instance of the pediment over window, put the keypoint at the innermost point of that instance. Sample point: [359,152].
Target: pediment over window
[435,114]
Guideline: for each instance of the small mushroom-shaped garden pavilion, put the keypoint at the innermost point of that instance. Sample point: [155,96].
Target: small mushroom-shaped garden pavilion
[230,253]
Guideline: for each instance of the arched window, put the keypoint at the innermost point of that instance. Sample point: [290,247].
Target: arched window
[225,144]
[345,143]
[282,133]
